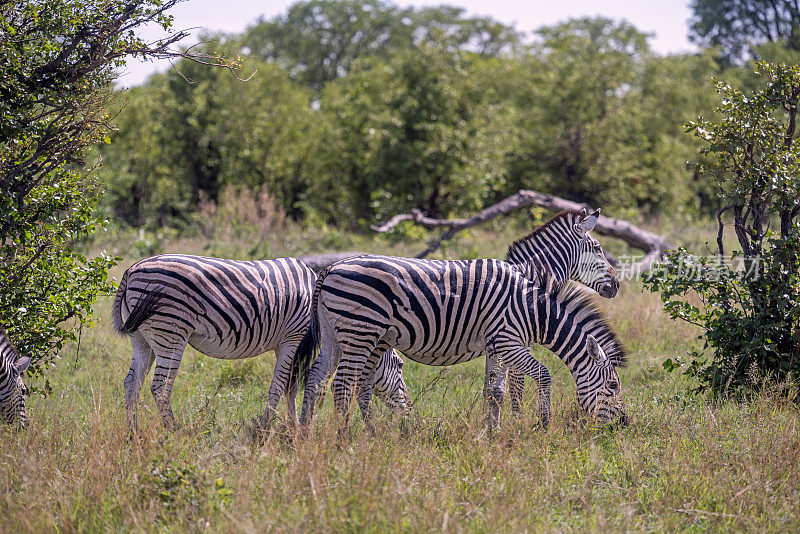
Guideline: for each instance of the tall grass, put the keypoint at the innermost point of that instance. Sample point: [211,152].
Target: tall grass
[683,463]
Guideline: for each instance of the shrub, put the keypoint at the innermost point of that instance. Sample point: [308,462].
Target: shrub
[749,304]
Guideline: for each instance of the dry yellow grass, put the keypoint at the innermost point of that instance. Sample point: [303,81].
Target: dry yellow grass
[684,463]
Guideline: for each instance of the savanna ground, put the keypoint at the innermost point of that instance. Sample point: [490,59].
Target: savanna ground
[684,462]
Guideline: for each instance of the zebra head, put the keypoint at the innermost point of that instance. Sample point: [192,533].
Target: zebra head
[598,387]
[565,246]
[591,267]
[389,384]
[12,389]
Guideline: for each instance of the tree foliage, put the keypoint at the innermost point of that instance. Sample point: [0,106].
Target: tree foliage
[415,108]
[750,315]
[737,27]
[410,131]
[319,41]
[59,58]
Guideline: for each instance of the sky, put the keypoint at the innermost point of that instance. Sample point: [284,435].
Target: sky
[666,20]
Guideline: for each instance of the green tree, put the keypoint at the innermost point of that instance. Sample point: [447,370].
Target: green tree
[143,172]
[575,82]
[598,118]
[750,316]
[414,131]
[59,58]
[318,41]
[180,142]
[738,26]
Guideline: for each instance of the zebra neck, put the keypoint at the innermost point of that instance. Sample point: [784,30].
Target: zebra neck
[560,331]
[546,250]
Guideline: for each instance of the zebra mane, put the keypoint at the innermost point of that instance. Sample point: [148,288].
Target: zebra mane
[554,219]
[573,296]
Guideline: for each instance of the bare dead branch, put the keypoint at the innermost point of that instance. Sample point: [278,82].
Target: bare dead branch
[653,245]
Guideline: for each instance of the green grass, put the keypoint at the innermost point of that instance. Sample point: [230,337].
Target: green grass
[683,463]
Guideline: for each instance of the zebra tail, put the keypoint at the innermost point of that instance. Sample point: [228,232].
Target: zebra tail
[304,354]
[116,309]
[142,310]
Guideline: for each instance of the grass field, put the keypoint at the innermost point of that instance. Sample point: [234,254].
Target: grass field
[683,463]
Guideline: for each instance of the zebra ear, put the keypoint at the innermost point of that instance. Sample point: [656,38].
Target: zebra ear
[595,351]
[587,224]
[22,364]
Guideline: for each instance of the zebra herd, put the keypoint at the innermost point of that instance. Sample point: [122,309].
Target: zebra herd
[359,312]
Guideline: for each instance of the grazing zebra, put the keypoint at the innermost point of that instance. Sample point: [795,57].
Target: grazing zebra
[447,312]
[12,389]
[564,247]
[225,309]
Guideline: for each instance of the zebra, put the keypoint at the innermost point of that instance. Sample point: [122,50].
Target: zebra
[12,389]
[445,312]
[564,248]
[386,382]
[225,309]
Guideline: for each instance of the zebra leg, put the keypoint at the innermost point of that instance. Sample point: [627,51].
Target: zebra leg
[365,387]
[542,377]
[494,388]
[521,360]
[351,367]
[364,399]
[141,362]
[332,365]
[321,370]
[516,388]
[283,366]
[167,364]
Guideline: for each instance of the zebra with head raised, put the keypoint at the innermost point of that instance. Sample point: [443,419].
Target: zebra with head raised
[447,312]
[12,389]
[566,249]
[225,309]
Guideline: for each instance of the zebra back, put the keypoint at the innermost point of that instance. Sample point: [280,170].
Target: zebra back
[225,308]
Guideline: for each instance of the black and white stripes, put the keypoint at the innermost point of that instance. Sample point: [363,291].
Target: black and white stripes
[448,312]
[564,248]
[224,308]
[12,390]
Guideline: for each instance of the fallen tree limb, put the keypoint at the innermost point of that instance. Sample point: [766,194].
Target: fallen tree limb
[652,244]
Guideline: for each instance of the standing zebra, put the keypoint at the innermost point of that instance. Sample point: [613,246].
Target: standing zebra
[562,247]
[447,312]
[12,389]
[225,309]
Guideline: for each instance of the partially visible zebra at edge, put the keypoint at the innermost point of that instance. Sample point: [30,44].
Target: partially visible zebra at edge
[12,389]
